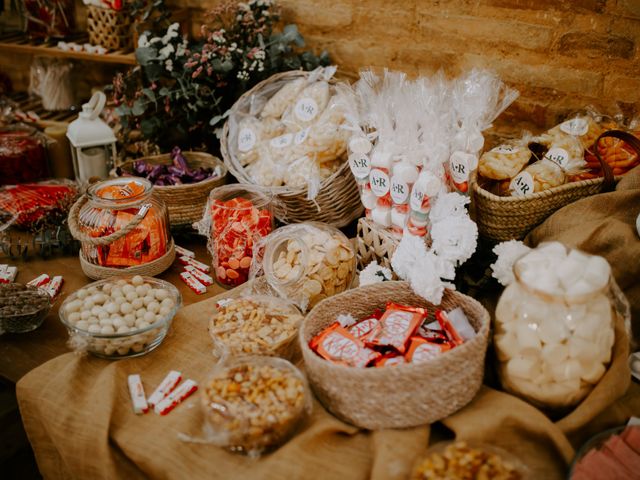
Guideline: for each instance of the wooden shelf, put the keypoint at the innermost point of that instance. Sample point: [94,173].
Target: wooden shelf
[27,103]
[18,42]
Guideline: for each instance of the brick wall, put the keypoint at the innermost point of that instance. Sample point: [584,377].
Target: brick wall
[560,54]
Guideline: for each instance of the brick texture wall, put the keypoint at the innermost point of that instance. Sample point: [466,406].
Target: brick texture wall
[560,54]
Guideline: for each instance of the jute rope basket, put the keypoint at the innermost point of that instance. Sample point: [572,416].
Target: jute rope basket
[98,272]
[186,203]
[109,28]
[399,396]
[338,201]
[507,218]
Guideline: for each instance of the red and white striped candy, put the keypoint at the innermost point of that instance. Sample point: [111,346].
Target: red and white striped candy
[39,281]
[138,398]
[176,397]
[9,274]
[192,283]
[165,388]
[194,263]
[54,286]
[202,277]
[183,252]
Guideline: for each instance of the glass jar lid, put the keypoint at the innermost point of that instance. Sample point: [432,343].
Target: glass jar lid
[123,191]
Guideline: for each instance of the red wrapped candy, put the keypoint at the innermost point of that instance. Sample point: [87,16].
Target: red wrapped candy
[396,326]
[338,346]
[422,350]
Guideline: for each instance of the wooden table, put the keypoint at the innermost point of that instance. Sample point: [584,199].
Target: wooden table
[20,353]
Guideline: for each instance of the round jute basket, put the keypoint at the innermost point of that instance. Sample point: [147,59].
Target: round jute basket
[186,203]
[507,218]
[404,395]
[109,28]
[338,200]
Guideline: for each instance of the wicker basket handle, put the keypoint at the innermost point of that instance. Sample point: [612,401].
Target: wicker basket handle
[108,239]
[609,183]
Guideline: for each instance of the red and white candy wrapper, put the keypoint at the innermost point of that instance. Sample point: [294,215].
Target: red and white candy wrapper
[54,286]
[422,350]
[39,281]
[176,397]
[183,252]
[195,263]
[193,283]
[448,328]
[167,385]
[396,326]
[138,398]
[363,328]
[8,275]
[389,360]
[338,346]
[202,277]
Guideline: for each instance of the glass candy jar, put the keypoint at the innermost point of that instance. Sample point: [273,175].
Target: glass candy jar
[554,330]
[239,217]
[122,224]
[308,262]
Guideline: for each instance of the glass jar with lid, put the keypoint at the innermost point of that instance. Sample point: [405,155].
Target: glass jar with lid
[307,262]
[554,330]
[121,224]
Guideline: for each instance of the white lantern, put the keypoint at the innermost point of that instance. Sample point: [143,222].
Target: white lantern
[93,144]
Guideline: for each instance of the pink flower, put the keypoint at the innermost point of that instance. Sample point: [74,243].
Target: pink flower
[197,72]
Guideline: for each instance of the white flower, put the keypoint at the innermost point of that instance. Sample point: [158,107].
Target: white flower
[155,40]
[374,273]
[454,238]
[165,51]
[143,41]
[508,253]
[181,48]
[448,205]
[169,65]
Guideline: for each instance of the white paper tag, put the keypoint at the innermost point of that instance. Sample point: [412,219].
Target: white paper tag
[380,183]
[399,191]
[522,184]
[282,141]
[559,156]
[246,139]
[508,149]
[576,127]
[301,136]
[417,197]
[360,165]
[306,109]
[459,167]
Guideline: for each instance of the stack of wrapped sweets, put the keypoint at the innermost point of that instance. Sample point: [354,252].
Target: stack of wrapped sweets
[289,133]
[563,154]
[412,140]
[400,334]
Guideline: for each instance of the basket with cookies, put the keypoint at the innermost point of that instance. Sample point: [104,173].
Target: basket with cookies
[286,135]
[520,183]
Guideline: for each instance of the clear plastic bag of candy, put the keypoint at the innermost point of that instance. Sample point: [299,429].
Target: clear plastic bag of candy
[305,263]
[288,133]
[256,325]
[236,218]
[253,404]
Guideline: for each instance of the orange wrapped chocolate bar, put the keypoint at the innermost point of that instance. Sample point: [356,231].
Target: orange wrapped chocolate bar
[124,205]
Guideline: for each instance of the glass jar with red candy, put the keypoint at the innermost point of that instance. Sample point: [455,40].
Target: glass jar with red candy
[240,216]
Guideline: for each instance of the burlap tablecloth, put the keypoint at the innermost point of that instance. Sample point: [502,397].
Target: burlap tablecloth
[78,416]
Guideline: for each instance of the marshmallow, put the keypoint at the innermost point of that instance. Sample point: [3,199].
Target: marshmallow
[381,215]
[381,158]
[592,371]
[555,353]
[568,370]
[405,172]
[528,338]
[552,330]
[523,367]
[368,198]
[398,218]
[597,272]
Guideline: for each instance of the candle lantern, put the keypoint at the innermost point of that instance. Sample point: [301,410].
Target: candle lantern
[93,144]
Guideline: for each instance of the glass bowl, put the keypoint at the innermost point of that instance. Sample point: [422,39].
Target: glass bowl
[25,321]
[138,340]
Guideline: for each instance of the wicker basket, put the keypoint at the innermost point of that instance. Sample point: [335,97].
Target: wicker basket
[374,243]
[507,218]
[186,203]
[399,396]
[338,200]
[109,28]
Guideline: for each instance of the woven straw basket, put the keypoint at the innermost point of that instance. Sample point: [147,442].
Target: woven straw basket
[186,203]
[399,396]
[97,272]
[374,243]
[338,201]
[507,218]
[109,28]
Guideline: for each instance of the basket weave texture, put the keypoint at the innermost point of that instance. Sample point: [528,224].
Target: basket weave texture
[186,203]
[338,200]
[374,243]
[109,28]
[397,396]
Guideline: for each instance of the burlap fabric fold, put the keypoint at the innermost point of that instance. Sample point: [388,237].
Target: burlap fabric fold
[78,417]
